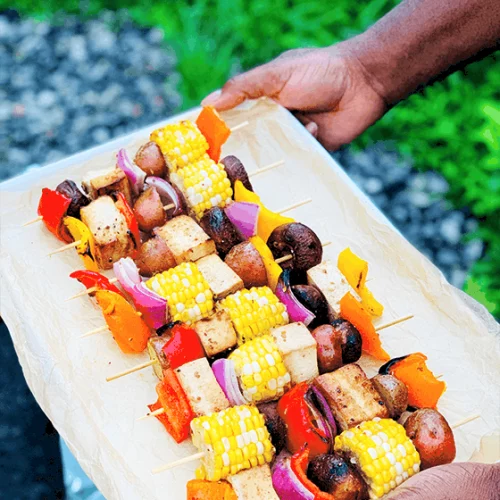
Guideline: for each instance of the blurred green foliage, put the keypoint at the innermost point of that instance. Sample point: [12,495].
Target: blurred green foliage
[453,127]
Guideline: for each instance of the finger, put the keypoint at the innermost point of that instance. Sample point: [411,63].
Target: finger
[462,481]
[311,126]
[266,80]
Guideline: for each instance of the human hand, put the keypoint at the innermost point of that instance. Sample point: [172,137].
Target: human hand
[328,89]
[459,481]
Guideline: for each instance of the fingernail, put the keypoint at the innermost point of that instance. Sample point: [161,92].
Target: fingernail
[211,98]
[312,127]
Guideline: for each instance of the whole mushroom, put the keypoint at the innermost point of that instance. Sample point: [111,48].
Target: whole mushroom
[299,242]
[236,171]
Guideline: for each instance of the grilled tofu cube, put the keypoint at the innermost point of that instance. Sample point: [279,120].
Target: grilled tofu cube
[351,396]
[254,483]
[220,277]
[216,333]
[331,282]
[299,351]
[155,351]
[110,231]
[107,181]
[201,387]
[186,239]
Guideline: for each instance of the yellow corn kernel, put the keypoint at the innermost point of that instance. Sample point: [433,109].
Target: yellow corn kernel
[181,143]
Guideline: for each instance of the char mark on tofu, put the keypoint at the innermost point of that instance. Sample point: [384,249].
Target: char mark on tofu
[201,387]
[109,229]
[332,283]
[186,239]
[351,396]
[216,333]
[106,182]
[155,351]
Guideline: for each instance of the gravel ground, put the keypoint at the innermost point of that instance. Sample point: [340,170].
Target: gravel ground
[69,86]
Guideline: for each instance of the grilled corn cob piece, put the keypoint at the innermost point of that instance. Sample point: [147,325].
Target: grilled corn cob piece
[233,440]
[204,184]
[187,292]
[383,452]
[254,312]
[260,370]
[181,143]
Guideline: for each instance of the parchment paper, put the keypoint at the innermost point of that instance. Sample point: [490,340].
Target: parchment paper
[98,419]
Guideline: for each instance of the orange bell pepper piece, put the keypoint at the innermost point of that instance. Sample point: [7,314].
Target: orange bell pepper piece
[200,489]
[273,270]
[128,328]
[352,310]
[355,271]
[268,220]
[215,130]
[424,389]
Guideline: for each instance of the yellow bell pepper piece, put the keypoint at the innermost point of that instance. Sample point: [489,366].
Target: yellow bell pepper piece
[268,220]
[273,270]
[355,271]
[86,247]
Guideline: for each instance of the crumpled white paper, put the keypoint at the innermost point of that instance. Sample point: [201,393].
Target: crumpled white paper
[98,420]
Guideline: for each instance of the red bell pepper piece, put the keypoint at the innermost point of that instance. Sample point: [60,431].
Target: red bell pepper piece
[133,226]
[91,279]
[215,130]
[424,389]
[299,463]
[184,346]
[178,413]
[302,429]
[53,207]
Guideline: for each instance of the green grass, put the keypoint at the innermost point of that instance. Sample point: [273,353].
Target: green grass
[453,127]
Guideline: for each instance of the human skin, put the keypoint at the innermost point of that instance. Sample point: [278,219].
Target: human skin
[339,91]
[460,481]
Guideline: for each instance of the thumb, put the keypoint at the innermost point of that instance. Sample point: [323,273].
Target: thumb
[459,481]
[262,81]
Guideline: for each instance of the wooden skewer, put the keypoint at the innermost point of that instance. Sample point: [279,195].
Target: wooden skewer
[38,219]
[181,461]
[151,362]
[159,411]
[168,207]
[285,258]
[90,290]
[295,205]
[465,420]
[239,126]
[201,454]
[266,168]
[96,330]
[395,322]
[66,247]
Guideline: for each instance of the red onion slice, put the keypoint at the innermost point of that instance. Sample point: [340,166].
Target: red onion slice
[226,377]
[134,174]
[244,216]
[286,483]
[153,307]
[325,410]
[296,311]
[127,273]
[166,190]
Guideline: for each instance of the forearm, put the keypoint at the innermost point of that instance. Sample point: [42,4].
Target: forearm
[420,40]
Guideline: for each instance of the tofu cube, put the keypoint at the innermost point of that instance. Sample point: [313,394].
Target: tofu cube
[216,333]
[254,483]
[299,351]
[201,387]
[107,181]
[186,239]
[155,351]
[220,277]
[110,231]
[351,396]
[331,282]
